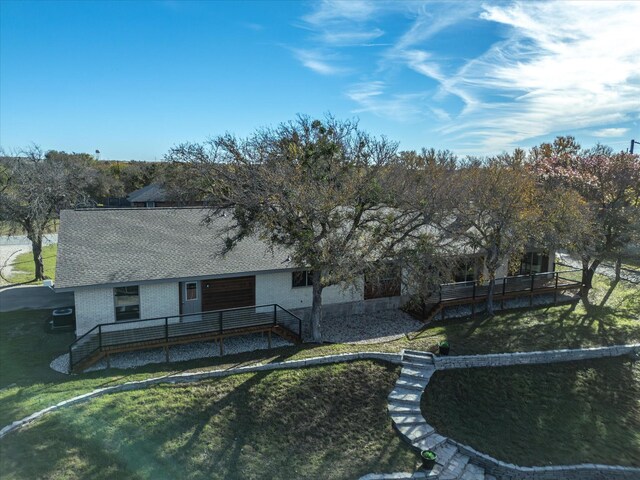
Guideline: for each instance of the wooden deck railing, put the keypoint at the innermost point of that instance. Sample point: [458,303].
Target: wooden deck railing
[182,329]
[461,293]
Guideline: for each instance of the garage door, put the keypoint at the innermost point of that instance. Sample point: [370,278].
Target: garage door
[223,293]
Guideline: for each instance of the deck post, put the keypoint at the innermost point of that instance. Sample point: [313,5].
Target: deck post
[533,277]
[555,291]
[220,315]
[166,353]
[166,329]
[108,360]
[221,346]
[275,319]
[473,301]
[269,340]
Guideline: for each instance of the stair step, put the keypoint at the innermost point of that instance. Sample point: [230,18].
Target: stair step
[430,442]
[415,433]
[445,453]
[472,472]
[410,385]
[407,419]
[417,372]
[405,395]
[418,353]
[411,358]
[455,467]
[416,382]
[399,408]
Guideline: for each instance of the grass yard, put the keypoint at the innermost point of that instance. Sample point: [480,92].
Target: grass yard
[323,422]
[567,413]
[27,384]
[23,268]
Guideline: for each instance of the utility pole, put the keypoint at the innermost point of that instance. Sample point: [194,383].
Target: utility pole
[632,142]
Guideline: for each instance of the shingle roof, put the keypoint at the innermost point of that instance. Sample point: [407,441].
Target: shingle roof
[150,193]
[106,246]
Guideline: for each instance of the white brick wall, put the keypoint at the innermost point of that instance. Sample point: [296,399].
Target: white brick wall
[159,300]
[276,288]
[95,305]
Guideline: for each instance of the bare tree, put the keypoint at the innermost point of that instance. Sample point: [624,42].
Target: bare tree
[36,188]
[323,189]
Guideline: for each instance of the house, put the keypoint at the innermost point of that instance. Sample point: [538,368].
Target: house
[129,264]
[155,195]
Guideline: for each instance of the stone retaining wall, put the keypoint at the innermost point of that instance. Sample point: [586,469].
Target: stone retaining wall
[508,471]
[394,358]
[531,358]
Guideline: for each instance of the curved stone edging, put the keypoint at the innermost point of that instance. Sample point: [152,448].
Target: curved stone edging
[394,358]
[459,461]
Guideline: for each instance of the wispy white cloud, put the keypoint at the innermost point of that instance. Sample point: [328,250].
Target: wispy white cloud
[562,67]
[318,62]
[372,97]
[332,10]
[610,132]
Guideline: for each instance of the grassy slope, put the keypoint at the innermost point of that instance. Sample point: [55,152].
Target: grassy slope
[582,412]
[24,269]
[324,422]
[26,350]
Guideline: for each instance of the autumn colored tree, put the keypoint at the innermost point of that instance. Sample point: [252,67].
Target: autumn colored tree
[609,183]
[496,211]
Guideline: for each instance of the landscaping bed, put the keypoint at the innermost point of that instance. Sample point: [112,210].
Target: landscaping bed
[553,414]
[322,422]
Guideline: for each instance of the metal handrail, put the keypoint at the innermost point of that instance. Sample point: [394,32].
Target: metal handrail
[146,333]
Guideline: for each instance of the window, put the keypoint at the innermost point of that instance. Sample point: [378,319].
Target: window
[533,262]
[192,291]
[150,204]
[302,279]
[127,302]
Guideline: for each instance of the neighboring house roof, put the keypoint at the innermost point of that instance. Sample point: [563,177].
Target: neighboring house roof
[110,246]
[150,193]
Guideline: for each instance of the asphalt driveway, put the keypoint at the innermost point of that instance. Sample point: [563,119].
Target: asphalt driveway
[33,298]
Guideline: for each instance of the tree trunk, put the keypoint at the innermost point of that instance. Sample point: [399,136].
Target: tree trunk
[618,267]
[316,308]
[492,287]
[587,273]
[36,245]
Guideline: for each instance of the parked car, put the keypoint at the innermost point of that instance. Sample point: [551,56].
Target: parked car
[62,319]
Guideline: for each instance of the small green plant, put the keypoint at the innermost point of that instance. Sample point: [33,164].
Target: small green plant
[428,455]
[444,343]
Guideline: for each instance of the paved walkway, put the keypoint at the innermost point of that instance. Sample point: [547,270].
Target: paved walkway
[32,298]
[13,245]
[404,409]
[460,462]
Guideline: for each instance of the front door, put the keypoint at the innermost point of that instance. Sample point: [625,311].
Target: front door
[191,299]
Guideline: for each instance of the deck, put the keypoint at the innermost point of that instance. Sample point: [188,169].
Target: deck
[162,332]
[472,293]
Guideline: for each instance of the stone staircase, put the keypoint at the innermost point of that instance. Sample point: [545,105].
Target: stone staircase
[404,410]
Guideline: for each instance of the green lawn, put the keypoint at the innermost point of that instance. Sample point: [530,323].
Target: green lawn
[324,422]
[26,350]
[24,268]
[579,412]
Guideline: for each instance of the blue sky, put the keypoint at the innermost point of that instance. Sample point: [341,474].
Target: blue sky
[134,78]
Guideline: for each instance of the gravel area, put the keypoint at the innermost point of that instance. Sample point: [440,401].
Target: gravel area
[369,328]
[523,302]
[605,268]
[178,353]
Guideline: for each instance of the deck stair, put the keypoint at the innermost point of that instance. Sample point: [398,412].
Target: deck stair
[407,418]
[109,338]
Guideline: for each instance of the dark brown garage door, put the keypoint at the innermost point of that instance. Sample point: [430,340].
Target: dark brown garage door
[223,293]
